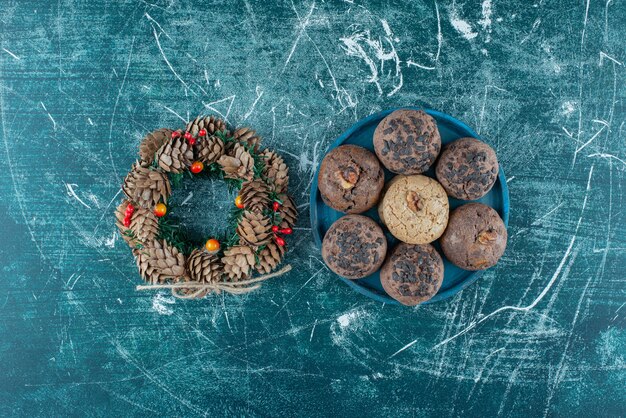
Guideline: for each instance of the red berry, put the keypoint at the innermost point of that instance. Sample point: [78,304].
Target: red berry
[126,222]
[202,132]
[279,241]
[286,231]
[188,136]
[191,141]
[276,206]
[197,167]
[175,134]
[275,228]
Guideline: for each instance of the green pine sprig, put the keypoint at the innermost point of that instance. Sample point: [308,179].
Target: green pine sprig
[175,236]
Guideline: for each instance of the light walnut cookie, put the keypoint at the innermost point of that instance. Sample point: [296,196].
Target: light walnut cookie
[415,209]
[381,215]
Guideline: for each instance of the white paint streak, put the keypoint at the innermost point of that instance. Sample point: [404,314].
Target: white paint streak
[411,63]
[607,156]
[161,304]
[403,348]
[588,142]
[350,318]
[355,45]
[175,114]
[11,54]
[110,242]
[462,26]
[225,99]
[567,108]
[158,42]
[54,124]
[312,331]
[485,22]
[71,192]
[551,211]
[259,94]
[302,24]
[117,100]
[298,291]
[604,55]
[187,199]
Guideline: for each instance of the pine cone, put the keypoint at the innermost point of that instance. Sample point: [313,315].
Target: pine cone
[152,142]
[288,212]
[143,227]
[238,262]
[159,262]
[204,267]
[238,165]
[209,150]
[210,124]
[276,171]
[175,155]
[254,229]
[247,137]
[269,258]
[146,186]
[255,195]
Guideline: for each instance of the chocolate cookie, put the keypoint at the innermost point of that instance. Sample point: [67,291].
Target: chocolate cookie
[475,238]
[467,169]
[407,141]
[354,247]
[350,179]
[412,274]
[415,209]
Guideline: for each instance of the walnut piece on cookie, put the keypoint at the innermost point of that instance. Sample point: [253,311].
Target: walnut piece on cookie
[415,209]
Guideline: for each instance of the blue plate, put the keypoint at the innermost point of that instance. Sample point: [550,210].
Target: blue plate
[362,133]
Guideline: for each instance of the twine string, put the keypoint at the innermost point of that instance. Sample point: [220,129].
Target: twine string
[199,289]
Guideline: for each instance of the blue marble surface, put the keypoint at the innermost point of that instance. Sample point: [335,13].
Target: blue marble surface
[541,334]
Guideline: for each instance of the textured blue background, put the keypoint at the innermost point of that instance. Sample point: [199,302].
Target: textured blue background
[82,81]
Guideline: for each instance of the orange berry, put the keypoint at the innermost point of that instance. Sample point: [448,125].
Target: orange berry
[212,245]
[160,209]
[197,167]
[239,202]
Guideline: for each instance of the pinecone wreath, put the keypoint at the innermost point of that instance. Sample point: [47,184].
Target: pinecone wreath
[262,217]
